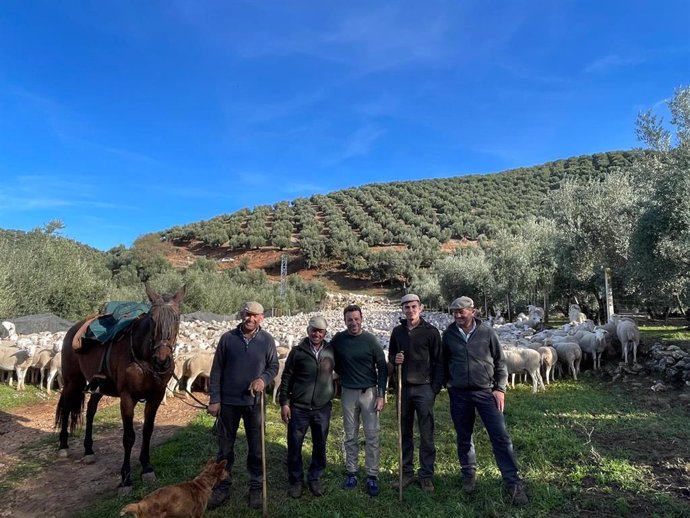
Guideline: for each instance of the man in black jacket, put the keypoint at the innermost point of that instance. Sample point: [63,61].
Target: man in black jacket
[306,391]
[244,363]
[415,344]
[476,375]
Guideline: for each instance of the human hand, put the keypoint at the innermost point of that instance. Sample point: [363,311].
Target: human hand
[256,386]
[380,403]
[285,413]
[500,399]
[213,409]
[399,358]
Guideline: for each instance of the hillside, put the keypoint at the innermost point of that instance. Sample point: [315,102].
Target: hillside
[355,233]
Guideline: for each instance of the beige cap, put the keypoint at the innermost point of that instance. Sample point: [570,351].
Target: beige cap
[318,322]
[410,297]
[461,303]
[253,307]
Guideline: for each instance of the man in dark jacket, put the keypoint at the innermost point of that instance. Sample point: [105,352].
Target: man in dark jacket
[476,376]
[306,391]
[244,363]
[415,345]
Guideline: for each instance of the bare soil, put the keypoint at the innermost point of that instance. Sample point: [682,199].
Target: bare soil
[42,485]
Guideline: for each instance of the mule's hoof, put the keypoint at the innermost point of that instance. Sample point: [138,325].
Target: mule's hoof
[148,478]
[89,459]
[63,453]
[123,491]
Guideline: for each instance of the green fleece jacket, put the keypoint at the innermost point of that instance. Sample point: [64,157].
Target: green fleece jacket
[307,382]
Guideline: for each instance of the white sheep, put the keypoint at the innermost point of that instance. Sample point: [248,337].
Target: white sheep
[629,336]
[549,359]
[54,370]
[17,359]
[524,360]
[575,315]
[593,344]
[569,355]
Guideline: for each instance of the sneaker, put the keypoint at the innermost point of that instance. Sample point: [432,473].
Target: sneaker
[315,487]
[218,496]
[518,495]
[427,485]
[256,500]
[350,481]
[372,486]
[295,489]
[469,484]
[407,479]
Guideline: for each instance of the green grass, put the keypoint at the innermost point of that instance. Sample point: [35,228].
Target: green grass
[669,333]
[585,448]
[11,398]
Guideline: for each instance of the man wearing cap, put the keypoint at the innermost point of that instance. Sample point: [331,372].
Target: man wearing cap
[244,363]
[476,376]
[361,364]
[306,391]
[415,345]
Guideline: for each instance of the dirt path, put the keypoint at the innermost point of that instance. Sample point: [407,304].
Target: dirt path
[60,487]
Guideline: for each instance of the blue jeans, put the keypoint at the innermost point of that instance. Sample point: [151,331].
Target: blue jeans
[318,421]
[463,404]
[230,416]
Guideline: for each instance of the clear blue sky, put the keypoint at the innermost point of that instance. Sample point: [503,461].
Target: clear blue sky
[123,117]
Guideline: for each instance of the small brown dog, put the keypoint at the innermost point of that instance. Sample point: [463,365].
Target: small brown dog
[184,500]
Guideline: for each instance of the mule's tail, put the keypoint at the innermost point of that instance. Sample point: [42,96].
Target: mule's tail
[71,408]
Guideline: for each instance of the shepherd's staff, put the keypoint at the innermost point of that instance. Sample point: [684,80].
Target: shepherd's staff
[264,502]
[400,452]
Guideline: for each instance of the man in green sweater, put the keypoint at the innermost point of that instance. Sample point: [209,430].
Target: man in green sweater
[361,364]
[306,391]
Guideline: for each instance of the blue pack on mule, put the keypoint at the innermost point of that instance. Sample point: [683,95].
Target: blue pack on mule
[117,316]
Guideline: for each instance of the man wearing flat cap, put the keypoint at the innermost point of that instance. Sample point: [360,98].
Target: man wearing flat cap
[244,363]
[476,376]
[305,396]
[415,345]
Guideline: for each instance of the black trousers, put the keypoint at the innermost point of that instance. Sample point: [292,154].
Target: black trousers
[419,400]
[230,416]
[318,421]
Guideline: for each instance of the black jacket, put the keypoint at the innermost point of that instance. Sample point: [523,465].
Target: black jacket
[307,382]
[423,354]
[478,364]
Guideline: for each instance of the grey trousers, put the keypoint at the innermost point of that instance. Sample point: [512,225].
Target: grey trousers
[358,403]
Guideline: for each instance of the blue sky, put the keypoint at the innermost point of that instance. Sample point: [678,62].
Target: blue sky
[123,117]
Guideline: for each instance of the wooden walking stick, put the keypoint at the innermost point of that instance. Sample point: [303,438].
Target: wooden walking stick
[400,452]
[264,485]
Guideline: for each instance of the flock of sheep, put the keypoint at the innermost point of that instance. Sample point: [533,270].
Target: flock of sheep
[529,351]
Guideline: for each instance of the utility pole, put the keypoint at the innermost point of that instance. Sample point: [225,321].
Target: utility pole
[609,293]
[283,276]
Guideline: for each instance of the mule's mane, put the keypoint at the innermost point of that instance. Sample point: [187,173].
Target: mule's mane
[166,320]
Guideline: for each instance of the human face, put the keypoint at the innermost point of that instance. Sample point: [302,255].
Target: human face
[316,336]
[353,321]
[464,317]
[412,311]
[251,322]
